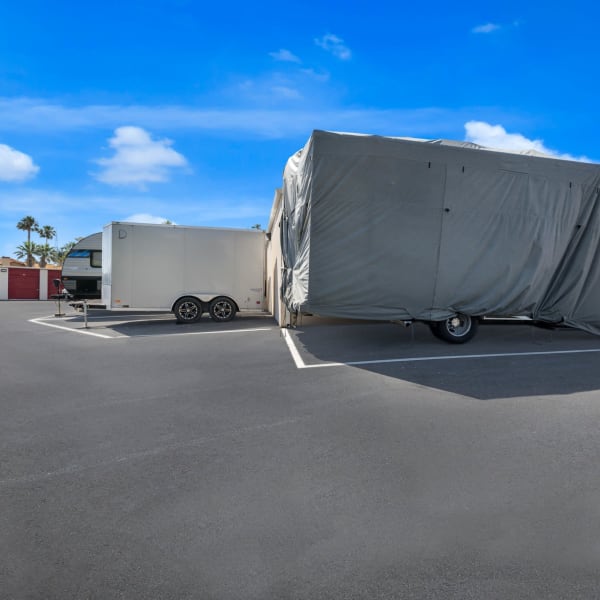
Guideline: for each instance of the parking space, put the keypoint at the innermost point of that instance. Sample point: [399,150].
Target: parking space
[321,343]
[502,361]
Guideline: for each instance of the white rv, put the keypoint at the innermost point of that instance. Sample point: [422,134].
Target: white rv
[186,270]
[82,269]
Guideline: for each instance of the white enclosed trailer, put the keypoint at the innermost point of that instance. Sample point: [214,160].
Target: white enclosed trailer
[186,270]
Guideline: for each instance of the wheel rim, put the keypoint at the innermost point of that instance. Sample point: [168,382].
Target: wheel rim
[188,311]
[222,309]
[458,325]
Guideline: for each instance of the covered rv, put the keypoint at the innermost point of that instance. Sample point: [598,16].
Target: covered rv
[186,270]
[438,231]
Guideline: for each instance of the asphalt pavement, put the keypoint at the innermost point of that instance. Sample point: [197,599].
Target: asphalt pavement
[145,459]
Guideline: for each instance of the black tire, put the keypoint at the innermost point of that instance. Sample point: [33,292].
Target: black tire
[455,330]
[222,309]
[188,310]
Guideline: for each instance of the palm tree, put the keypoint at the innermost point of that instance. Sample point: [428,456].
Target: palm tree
[28,224]
[45,252]
[61,253]
[46,232]
[27,250]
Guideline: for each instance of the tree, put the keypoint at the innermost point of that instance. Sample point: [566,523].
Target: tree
[45,253]
[46,232]
[61,253]
[27,250]
[28,224]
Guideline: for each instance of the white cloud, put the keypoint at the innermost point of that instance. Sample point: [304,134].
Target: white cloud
[15,165]
[495,136]
[138,159]
[487,28]
[146,218]
[284,55]
[334,44]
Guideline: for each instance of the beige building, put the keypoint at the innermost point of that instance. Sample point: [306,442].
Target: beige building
[273,261]
[6,261]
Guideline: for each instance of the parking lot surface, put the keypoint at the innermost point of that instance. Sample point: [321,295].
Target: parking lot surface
[146,459]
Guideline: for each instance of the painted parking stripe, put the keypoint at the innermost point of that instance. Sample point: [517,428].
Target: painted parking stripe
[44,321]
[92,317]
[293,350]
[204,332]
[302,365]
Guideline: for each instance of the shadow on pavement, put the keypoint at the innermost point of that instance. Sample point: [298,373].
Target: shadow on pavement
[530,369]
[167,325]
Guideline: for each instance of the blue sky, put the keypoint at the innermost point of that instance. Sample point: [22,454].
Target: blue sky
[187,110]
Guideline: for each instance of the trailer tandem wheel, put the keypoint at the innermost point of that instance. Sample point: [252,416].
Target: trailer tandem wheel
[188,310]
[222,309]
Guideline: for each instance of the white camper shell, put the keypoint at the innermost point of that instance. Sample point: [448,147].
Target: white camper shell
[186,270]
[82,269]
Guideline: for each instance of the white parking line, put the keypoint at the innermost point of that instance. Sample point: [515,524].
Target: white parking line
[205,332]
[302,365]
[92,317]
[293,350]
[44,321]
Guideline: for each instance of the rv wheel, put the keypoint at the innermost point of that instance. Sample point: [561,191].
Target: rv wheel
[456,330]
[188,310]
[222,309]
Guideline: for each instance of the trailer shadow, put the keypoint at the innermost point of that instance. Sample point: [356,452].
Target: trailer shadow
[133,324]
[502,361]
[167,325]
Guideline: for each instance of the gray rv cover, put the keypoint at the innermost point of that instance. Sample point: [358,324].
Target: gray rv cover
[391,228]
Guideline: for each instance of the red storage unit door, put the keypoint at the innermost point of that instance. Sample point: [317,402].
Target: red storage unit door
[23,284]
[52,275]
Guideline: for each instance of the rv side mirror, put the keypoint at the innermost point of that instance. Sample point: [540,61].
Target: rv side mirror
[56,283]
